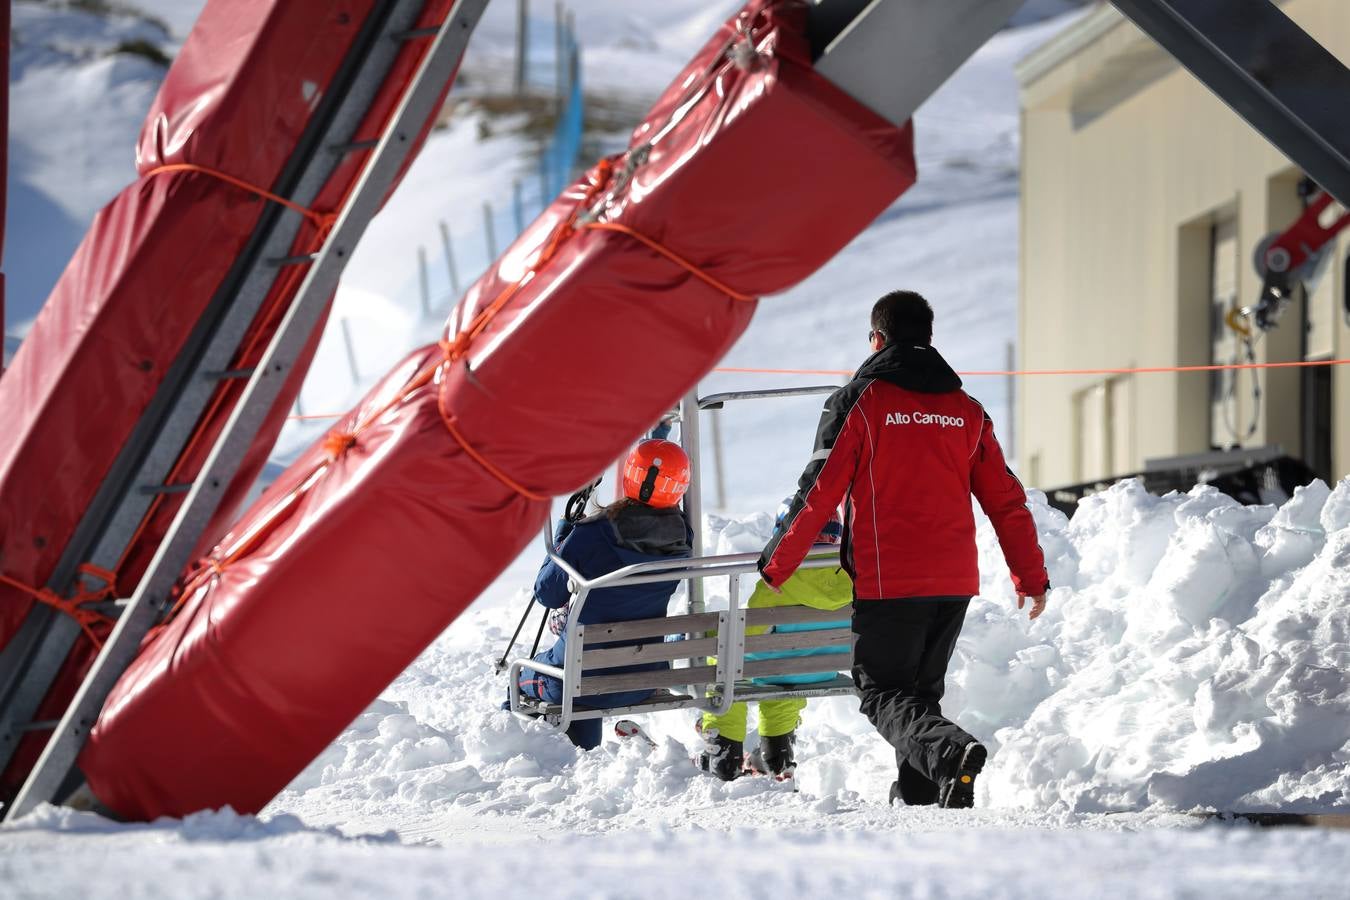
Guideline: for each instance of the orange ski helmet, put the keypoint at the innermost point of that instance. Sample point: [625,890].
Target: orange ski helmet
[656,473]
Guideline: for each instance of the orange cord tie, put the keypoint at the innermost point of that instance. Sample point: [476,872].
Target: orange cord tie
[337,443]
[663,250]
[321,220]
[73,606]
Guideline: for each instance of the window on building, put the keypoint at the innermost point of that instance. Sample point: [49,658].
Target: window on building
[1104,420]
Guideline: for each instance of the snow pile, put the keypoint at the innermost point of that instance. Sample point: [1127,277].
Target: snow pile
[1196,653]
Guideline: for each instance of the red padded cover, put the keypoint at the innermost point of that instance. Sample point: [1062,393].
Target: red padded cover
[337,578]
[237,99]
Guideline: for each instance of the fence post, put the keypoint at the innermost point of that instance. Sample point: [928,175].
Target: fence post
[560,54]
[545,195]
[573,53]
[351,350]
[518,202]
[488,236]
[522,44]
[450,261]
[422,280]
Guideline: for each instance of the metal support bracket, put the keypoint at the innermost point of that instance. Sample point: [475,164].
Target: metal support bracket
[1271,72]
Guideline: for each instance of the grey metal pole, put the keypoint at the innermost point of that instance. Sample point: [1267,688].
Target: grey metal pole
[153,593]
[717,458]
[489,236]
[424,281]
[450,261]
[522,44]
[693,499]
[1012,397]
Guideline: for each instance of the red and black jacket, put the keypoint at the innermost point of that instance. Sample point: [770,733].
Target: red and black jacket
[907,448]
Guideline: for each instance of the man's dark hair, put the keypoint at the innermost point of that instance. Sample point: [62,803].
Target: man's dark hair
[903,317]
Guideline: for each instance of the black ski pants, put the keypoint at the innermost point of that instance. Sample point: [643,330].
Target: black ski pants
[900,667]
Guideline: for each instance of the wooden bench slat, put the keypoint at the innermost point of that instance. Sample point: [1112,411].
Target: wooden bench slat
[840,684]
[646,628]
[799,665]
[637,681]
[799,640]
[644,653]
[796,615]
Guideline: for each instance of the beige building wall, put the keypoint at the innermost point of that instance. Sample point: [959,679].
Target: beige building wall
[1143,198]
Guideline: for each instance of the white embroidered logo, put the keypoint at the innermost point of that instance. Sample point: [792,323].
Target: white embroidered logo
[923,418]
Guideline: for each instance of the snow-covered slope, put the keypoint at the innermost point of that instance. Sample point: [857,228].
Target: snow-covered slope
[76,104]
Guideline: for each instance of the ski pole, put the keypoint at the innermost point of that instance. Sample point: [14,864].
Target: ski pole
[501,663]
[539,635]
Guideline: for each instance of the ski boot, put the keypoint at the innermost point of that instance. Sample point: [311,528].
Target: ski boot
[721,756]
[957,790]
[776,755]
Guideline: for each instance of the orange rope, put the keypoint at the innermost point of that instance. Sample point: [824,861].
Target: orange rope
[320,219]
[73,606]
[744,370]
[1224,367]
[674,257]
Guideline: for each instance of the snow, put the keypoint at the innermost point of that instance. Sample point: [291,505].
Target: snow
[221,854]
[1193,657]
[76,107]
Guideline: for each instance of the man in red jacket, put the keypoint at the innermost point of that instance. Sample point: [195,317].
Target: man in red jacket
[908,448]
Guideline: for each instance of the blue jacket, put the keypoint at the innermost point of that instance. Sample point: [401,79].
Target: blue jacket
[600,545]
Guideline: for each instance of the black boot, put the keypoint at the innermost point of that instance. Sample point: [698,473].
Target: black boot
[957,790]
[912,789]
[777,754]
[721,757]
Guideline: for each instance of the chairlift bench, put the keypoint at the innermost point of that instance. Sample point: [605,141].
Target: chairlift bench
[711,685]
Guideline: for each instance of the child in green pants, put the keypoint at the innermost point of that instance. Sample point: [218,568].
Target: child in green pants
[724,735]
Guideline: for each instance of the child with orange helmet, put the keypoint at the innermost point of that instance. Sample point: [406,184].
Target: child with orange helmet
[645,526]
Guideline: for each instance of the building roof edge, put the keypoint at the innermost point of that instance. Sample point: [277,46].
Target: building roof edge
[1067,44]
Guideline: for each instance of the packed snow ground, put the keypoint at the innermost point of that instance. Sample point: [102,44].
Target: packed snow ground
[1194,654]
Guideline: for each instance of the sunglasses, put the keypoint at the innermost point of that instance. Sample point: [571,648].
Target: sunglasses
[872,334]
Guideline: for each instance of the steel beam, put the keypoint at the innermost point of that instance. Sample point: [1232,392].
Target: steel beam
[1272,73]
[892,55]
[416,109]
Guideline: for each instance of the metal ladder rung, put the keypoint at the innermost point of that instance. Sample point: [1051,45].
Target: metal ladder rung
[166,488]
[301,260]
[230,374]
[42,725]
[353,146]
[413,34]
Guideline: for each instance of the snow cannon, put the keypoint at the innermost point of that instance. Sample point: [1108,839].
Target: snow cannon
[251,148]
[749,173]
